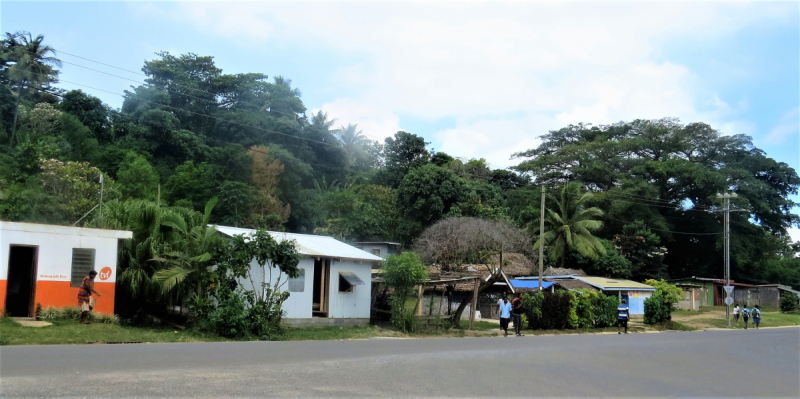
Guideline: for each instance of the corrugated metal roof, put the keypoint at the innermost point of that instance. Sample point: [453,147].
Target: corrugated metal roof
[610,284]
[530,284]
[310,245]
[64,230]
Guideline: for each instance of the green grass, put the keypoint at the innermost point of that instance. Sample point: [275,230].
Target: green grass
[329,333]
[767,320]
[72,332]
[704,309]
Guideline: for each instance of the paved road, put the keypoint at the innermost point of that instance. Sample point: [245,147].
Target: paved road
[718,363]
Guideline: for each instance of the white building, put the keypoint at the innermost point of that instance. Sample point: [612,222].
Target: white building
[333,287]
[45,264]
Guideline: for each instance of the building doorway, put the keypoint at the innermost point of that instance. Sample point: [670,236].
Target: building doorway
[321,283]
[21,283]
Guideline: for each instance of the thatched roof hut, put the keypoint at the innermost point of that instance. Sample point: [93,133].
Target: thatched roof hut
[560,271]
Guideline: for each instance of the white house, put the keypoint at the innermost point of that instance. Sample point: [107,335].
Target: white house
[45,264]
[333,287]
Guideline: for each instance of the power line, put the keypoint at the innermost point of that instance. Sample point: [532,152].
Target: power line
[650,199]
[668,231]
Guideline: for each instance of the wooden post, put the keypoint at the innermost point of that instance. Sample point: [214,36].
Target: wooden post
[474,303]
[420,290]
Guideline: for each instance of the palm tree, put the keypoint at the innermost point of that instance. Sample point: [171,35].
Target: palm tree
[191,253]
[570,225]
[31,66]
[353,141]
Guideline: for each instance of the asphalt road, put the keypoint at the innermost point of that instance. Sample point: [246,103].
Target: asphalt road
[712,363]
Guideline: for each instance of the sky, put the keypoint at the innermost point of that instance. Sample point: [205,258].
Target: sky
[475,79]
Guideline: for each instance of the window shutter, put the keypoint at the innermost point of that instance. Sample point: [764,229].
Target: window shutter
[82,264]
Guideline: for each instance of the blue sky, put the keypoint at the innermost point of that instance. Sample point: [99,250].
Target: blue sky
[475,79]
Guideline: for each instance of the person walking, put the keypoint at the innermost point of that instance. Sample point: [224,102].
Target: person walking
[623,315]
[516,313]
[745,316]
[756,316]
[84,296]
[505,314]
[736,313]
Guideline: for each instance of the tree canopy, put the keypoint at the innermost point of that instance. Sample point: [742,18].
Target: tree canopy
[645,190]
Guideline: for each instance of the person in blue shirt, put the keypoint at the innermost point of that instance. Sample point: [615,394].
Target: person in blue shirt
[745,315]
[623,315]
[756,316]
[505,314]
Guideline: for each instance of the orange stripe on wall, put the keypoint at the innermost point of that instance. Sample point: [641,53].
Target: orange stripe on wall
[60,295]
[3,293]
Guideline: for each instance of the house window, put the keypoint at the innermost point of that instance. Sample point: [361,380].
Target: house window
[347,281]
[298,284]
[376,252]
[82,264]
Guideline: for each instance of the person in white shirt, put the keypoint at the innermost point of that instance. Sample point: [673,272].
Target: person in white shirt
[505,314]
[736,314]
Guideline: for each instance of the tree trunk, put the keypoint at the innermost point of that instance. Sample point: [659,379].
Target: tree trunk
[16,113]
[456,320]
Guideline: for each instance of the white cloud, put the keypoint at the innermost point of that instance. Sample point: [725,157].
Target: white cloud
[787,125]
[505,72]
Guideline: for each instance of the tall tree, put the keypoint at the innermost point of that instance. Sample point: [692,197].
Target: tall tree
[353,141]
[569,225]
[32,66]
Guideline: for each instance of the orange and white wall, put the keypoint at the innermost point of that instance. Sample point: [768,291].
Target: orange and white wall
[54,261]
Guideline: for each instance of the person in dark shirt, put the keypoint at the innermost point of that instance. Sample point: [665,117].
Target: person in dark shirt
[516,313]
[623,315]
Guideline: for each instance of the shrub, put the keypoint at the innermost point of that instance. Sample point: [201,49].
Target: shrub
[38,311]
[402,273]
[656,310]
[584,309]
[605,310]
[790,303]
[556,309]
[669,293]
[532,308]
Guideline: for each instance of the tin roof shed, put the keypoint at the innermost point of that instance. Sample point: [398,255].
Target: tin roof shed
[310,245]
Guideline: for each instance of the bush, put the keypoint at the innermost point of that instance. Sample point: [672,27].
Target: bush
[585,309]
[402,273]
[557,310]
[669,293]
[605,310]
[790,303]
[656,310]
[532,308]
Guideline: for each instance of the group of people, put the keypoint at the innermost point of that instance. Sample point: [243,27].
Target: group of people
[511,310]
[746,313]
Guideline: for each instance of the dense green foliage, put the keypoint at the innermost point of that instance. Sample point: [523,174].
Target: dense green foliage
[240,309]
[669,293]
[790,303]
[401,273]
[630,199]
[657,310]
[567,309]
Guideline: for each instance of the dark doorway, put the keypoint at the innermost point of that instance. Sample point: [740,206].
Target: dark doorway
[320,299]
[21,282]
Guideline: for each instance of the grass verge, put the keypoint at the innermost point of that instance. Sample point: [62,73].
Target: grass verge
[329,333]
[673,326]
[767,320]
[72,332]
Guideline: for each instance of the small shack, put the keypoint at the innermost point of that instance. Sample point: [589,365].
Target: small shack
[379,248]
[691,296]
[333,287]
[45,264]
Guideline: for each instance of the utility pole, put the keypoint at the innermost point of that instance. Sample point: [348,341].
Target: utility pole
[101,198]
[727,238]
[541,241]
